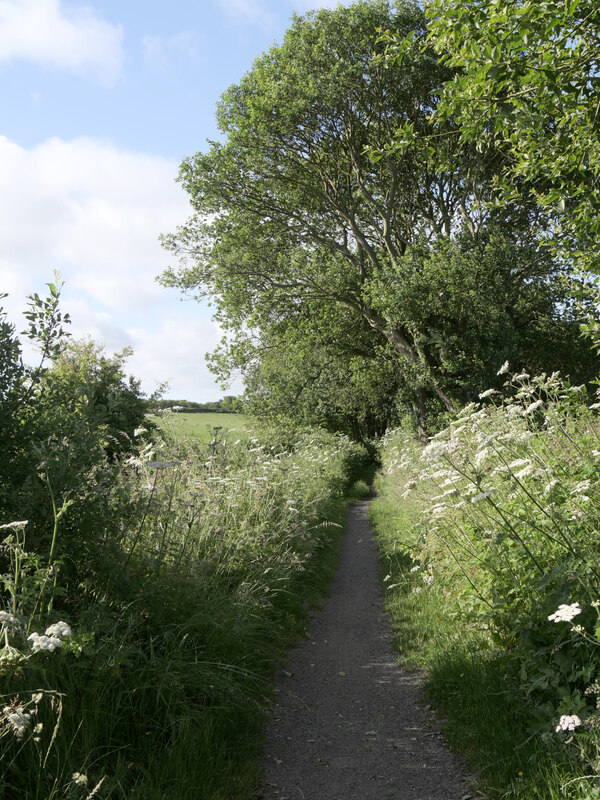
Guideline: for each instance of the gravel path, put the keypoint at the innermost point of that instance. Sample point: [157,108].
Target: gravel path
[349,723]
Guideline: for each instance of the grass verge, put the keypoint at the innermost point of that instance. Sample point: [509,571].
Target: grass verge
[470,678]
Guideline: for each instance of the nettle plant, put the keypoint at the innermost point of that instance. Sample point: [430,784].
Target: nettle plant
[512,518]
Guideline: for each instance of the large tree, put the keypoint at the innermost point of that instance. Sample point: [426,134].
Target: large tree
[330,184]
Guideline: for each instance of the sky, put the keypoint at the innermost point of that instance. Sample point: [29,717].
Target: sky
[101,100]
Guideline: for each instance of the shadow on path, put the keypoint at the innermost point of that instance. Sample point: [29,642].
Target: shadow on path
[348,722]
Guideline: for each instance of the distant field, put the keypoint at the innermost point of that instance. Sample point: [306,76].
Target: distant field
[200,426]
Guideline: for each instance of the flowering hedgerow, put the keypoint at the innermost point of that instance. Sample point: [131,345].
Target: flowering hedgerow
[510,532]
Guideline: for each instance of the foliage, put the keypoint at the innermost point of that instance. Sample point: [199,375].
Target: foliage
[527,74]
[98,389]
[148,584]
[505,533]
[171,647]
[314,217]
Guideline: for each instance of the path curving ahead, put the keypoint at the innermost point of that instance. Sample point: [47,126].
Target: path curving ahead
[348,722]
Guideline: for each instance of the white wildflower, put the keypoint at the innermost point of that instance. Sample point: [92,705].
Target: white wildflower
[140,431]
[520,462]
[438,509]
[79,779]
[503,369]
[533,407]
[11,525]
[524,472]
[565,613]
[595,406]
[8,619]
[436,450]
[550,485]
[488,393]
[416,568]
[481,496]
[59,629]
[159,464]
[481,456]
[47,643]
[499,470]
[523,376]
[18,720]
[581,487]
[568,722]
[449,481]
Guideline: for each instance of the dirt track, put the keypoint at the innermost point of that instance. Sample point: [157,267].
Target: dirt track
[349,723]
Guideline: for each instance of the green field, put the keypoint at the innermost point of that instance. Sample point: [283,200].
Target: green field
[200,426]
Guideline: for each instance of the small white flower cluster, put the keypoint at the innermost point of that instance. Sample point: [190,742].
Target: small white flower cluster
[565,613]
[51,640]
[533,407]
[481,496]
[12,525]
[19,720]
[568,722]
[8,619]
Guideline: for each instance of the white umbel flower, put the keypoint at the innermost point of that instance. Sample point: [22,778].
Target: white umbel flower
[47,643]
[19,721]
[568,722]
[565,613]
[59,629]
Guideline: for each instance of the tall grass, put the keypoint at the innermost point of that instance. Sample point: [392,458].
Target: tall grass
[491,538]
[146,674]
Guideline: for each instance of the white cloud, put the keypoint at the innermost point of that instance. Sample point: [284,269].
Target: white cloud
[52,35]
[253,12]
[94,212]
[184,46]
[175,353]
[91,210]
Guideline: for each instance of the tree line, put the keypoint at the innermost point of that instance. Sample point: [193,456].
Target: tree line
[226,405]
[401,201]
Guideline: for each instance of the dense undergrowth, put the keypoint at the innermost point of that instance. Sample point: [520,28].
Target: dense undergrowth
[490,537]
[181,609]
[149,584]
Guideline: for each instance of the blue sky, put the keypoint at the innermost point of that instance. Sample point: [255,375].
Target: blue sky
[100,101]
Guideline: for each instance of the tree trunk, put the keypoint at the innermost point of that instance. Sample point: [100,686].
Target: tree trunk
[421,412]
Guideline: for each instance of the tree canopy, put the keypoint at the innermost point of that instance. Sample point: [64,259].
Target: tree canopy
[528,73]
[336,215]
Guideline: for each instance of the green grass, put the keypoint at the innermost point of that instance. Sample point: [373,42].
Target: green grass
[201,426]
